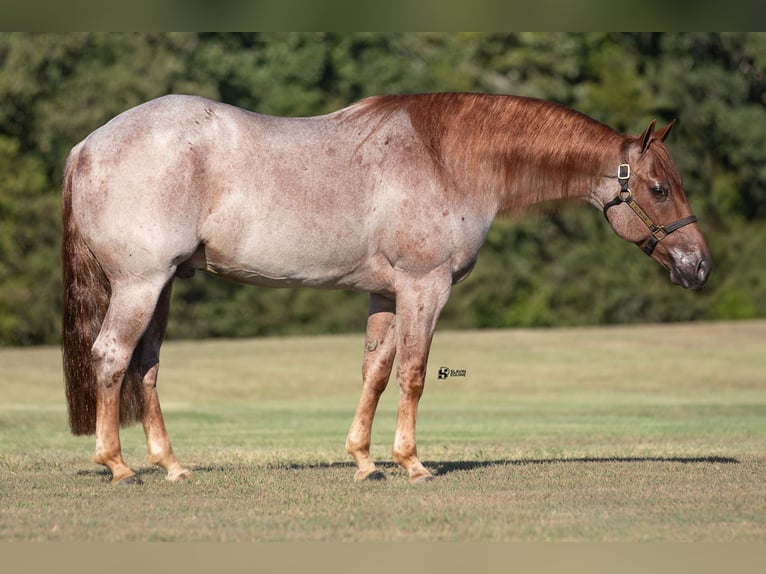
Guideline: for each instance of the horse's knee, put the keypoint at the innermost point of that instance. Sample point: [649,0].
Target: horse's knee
[376,375]
[411,379]
[378,362]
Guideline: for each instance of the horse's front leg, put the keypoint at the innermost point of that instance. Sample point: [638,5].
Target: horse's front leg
[418,304]
[379,352]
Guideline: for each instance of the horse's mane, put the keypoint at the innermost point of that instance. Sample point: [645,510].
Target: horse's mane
[514,150]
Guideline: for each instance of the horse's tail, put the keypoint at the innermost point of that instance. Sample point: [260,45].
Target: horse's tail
[86,294]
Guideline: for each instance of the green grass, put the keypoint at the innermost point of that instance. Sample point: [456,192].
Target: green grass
[593,434]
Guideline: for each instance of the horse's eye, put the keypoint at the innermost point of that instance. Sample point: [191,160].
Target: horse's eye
[660,192]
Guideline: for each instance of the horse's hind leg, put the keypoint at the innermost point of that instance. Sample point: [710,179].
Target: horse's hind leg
[131,308]
[380,349]
[159,449]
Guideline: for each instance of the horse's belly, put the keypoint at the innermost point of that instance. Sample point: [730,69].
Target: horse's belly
[296,264]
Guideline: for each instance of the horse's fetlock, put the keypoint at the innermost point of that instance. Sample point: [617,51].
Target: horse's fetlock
[357,443]
[402,454]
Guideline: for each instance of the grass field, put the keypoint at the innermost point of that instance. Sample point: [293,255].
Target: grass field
[647,433]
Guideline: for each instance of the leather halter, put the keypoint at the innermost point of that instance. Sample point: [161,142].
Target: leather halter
[658,232]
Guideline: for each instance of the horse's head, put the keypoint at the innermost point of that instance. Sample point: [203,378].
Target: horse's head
[650,209]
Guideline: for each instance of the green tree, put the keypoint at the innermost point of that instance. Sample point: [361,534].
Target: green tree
[29,231]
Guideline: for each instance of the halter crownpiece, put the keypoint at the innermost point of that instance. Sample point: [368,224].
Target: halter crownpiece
[658,232]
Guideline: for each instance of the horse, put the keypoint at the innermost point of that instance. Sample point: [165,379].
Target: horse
[392,196]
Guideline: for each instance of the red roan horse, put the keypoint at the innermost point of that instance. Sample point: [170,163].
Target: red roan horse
[392,196]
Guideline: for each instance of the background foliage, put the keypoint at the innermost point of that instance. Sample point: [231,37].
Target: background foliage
[552,268]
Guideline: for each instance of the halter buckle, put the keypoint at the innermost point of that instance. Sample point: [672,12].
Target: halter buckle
[623,171]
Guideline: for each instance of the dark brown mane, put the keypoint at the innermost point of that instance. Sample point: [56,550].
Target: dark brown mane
[519,150]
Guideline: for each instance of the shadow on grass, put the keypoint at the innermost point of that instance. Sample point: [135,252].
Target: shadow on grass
[445,467]
[438,468]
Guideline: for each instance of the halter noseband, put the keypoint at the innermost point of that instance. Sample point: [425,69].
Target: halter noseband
[658,232]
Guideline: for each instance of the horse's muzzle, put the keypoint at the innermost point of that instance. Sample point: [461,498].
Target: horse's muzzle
[691,275]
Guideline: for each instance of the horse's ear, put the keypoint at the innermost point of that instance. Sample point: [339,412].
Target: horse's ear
[663,133]
[646,137]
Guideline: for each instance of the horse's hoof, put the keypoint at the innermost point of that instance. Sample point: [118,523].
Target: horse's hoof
[180,476]
[132,480]
[374,475]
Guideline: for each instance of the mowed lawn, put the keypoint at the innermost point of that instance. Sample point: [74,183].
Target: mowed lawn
[652,432]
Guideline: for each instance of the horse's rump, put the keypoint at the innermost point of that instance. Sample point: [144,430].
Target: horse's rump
[86,293]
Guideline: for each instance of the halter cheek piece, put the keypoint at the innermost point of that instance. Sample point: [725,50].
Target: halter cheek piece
[658,232]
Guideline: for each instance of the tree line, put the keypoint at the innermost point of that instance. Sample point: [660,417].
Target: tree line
[553,267]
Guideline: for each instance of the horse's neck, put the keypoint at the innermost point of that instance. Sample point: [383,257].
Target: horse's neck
[530,162]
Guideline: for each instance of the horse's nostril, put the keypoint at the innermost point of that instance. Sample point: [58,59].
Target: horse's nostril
[703,269]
